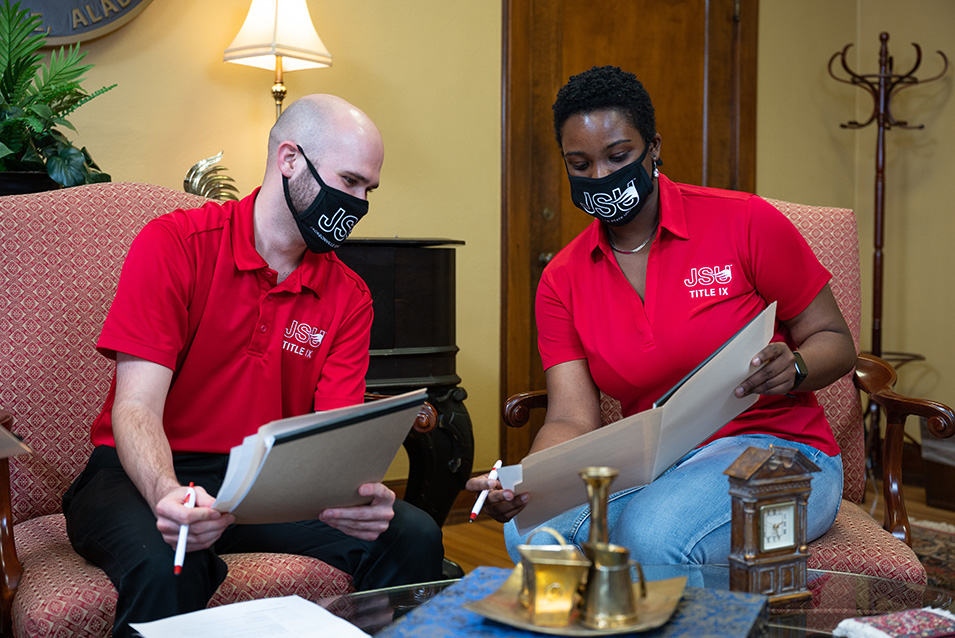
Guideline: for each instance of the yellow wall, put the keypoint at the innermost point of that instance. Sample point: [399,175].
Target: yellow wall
[427,72]
[804,156]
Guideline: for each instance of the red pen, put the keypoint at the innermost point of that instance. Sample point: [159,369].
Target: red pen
[190,502]
[483,495]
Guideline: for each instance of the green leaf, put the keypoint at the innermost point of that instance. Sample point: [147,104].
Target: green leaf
[5,150]
[97,177]
[17,37]
[68,167]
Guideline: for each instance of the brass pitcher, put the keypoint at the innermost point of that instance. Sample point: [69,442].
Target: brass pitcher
[608,599]
[551,579]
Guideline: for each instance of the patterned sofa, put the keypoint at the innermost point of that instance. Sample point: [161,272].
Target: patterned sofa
[62,252]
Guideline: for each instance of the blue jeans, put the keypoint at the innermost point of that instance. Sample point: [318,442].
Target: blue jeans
[683,517]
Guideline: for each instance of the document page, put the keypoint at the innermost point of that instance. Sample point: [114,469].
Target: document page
[551,476]
[706,401]
[286,617]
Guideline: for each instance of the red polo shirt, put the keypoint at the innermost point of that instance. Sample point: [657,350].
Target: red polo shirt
[196,297]
[720,257]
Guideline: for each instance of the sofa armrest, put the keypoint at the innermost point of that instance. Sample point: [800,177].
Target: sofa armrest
[876,377]
[517,410]
[425,421]
[10,568]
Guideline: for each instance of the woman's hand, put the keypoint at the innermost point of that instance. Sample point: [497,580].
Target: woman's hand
[778,375]
[501,505]
[825,344]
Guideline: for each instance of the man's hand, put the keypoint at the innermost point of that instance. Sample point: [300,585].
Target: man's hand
[501,504]
[365,522]
[205,524]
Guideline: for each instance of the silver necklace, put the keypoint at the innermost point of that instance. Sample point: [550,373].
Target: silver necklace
[638,248]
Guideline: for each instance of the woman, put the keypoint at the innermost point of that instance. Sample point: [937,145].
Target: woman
[664,275]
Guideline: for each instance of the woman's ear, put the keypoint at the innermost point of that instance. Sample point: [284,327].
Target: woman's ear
[655,144]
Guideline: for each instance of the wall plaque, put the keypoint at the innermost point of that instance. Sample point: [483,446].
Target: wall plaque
[69,21]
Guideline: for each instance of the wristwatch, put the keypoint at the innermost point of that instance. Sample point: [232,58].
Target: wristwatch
[801,370]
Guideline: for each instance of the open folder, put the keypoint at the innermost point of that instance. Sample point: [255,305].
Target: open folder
[644,445]
[292,469]
[12,445]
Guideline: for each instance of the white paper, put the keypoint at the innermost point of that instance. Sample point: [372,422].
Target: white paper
[642,446]
[289,616]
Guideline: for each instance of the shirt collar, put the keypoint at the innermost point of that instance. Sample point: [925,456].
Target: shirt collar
[672,218]
[311,273]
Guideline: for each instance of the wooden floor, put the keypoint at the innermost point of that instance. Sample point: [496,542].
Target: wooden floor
[482,542]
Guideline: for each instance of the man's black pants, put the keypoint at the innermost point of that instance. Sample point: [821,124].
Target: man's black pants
[110,524]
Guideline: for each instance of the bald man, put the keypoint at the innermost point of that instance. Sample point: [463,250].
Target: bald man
[227,317]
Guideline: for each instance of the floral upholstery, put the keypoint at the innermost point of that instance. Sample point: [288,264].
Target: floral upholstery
[62,253]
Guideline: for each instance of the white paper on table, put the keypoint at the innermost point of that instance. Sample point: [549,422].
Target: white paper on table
[288,616]
[642,446]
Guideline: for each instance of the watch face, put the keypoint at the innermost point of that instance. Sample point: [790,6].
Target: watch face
[777,523]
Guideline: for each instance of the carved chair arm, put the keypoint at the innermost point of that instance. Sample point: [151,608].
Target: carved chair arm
[426,420]
[517,410]
[876,377]
[10,568]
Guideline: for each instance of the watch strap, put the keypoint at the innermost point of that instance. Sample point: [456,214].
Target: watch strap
[801,370]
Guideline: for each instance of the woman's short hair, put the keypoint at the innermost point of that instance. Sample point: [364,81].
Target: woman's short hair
[605,87]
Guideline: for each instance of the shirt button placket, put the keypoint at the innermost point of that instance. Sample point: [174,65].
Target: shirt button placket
[260,338]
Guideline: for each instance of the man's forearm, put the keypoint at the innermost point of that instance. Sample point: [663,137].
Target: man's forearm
[144,451]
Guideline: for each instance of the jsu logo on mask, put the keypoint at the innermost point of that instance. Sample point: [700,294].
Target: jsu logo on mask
[340,224]
[614,204]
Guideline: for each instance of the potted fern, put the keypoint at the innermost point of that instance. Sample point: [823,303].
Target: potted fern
[35,99]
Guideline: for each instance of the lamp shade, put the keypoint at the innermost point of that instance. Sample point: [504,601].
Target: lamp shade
[278,28]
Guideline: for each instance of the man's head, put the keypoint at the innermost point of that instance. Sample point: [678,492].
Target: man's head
[605,87]
[327,154]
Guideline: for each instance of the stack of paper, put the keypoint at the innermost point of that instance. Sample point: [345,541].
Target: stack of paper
[292,469]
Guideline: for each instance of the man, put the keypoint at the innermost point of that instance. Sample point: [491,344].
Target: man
[207,305]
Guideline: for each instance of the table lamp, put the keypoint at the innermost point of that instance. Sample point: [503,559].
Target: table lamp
[278,34]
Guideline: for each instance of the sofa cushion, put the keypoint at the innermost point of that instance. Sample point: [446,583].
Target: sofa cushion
[857,544]
[61,594]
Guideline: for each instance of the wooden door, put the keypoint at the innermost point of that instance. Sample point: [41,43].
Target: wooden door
[697,59]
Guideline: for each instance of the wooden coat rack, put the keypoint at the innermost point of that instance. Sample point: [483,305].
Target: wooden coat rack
[882,86]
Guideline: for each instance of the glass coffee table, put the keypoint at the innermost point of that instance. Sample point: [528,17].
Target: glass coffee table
[835,597]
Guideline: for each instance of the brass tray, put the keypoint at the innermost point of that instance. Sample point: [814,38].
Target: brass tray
[504,606]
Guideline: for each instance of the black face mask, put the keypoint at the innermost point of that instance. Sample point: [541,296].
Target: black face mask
[616,198]
[328,221]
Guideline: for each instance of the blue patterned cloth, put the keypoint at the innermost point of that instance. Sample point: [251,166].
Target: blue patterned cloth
[702,613]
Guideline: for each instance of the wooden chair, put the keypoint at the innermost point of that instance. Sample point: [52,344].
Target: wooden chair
[62,253]
[855,543]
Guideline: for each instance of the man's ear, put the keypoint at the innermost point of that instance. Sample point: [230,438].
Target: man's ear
[286,157]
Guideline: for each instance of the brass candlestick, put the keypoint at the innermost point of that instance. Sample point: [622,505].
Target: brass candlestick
[598,480]
[608,598]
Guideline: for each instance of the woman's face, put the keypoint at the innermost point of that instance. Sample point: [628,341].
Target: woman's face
[598,143]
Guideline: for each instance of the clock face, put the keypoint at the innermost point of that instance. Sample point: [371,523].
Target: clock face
[777,524]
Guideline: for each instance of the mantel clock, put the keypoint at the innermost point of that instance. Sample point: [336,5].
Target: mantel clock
[769,489]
